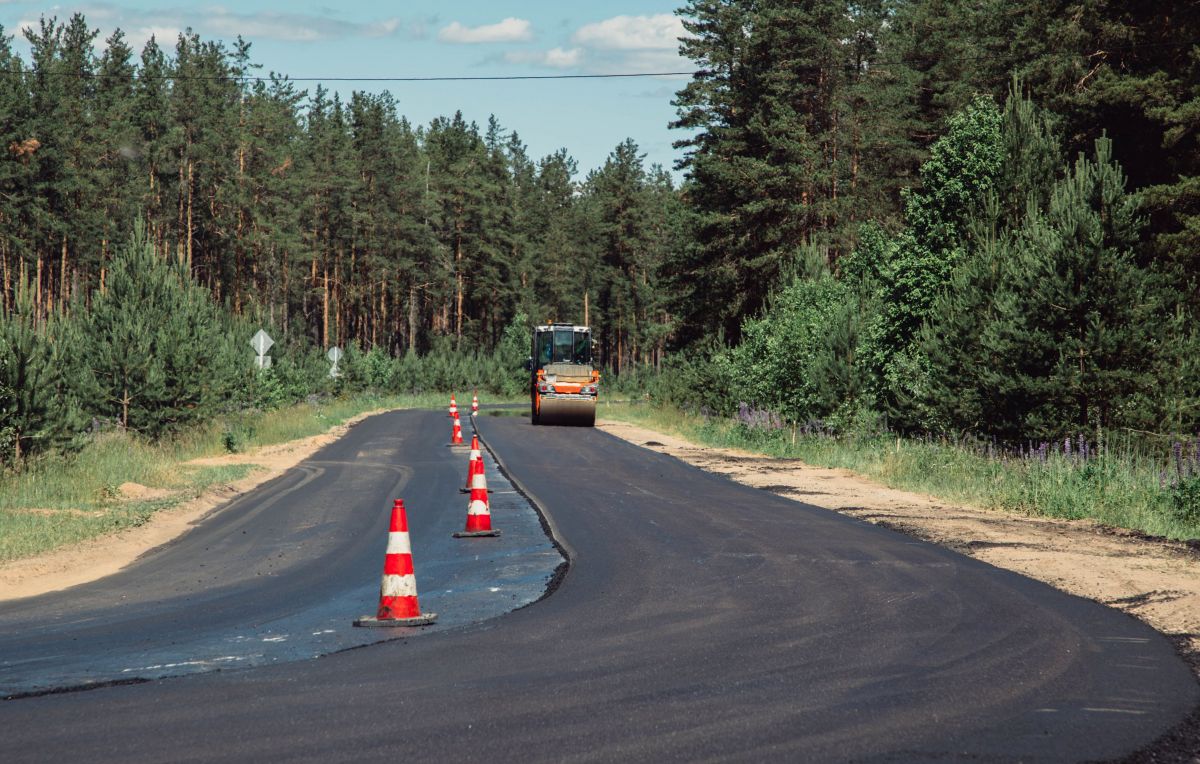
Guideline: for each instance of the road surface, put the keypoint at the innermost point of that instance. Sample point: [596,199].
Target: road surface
[699,619]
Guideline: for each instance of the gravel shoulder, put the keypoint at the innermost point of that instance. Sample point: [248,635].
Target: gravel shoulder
[1155,580]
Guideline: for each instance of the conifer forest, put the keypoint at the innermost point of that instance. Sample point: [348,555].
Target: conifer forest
[928,216]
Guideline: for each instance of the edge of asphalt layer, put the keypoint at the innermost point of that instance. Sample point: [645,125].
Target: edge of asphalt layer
[554,579]
[548,526]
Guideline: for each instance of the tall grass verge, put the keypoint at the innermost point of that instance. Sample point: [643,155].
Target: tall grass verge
[1120,485]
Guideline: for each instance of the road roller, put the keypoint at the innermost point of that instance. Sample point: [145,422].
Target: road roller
[563,386]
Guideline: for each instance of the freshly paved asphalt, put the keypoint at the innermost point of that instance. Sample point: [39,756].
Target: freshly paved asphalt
[699,620]
[280,573]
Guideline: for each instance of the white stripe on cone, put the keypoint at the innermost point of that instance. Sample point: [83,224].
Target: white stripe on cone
[398,543]
[478,482]
[477,507]
[399,586]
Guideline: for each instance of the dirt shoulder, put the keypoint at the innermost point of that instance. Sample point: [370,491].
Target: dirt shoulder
[1155,581]
[105,555]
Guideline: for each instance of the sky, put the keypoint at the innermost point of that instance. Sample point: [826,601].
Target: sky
[313,39]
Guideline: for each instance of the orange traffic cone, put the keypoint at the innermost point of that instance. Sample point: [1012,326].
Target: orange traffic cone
[456,433]
[474,459]
[479,516]
[453,407]
[475,403]
[398,593]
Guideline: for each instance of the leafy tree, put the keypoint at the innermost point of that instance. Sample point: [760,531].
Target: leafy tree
[963,167]
[786,358]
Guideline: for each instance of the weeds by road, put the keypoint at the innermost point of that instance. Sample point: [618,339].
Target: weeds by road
[1120,486]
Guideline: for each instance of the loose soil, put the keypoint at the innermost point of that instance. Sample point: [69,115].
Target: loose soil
[103,556]
[1155,580]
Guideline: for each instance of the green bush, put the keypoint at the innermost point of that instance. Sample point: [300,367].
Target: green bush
[1185,500]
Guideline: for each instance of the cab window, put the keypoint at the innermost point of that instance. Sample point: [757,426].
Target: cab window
[583,348]
[563,345]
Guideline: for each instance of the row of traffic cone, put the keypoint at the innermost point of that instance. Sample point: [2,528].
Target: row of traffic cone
[479,513]
[456,433]
[398,604]
[454,405]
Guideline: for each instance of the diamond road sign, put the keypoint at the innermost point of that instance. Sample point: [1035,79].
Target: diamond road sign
[261,342]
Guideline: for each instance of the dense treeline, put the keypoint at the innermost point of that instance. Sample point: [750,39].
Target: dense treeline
[928,215]
[1035,275]
[338,221]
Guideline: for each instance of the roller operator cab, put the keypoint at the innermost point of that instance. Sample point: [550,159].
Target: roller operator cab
[563,386]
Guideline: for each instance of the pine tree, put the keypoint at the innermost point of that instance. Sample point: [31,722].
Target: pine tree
[36,360]
[118,165]
[159,354]
[555,276]
[457,154]
[1082,296]
[794,132]
[151,118]
[16,174]
[1047,330]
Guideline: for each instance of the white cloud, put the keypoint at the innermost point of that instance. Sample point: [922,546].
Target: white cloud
[659,32]
[555,58]
[509,30]
[218,21]
[165,36]
[618,45]
[292,27]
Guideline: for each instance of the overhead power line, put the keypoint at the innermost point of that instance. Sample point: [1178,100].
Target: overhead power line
[871,63]
[449,78]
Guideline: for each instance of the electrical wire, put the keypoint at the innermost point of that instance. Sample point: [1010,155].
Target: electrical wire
[868,64]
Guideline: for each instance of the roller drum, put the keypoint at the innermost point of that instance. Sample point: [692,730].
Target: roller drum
[568,412]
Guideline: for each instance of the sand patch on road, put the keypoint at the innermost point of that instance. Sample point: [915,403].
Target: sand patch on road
[1154,580]
[103,556]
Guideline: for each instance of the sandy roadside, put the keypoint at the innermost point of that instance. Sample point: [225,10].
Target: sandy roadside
[1155,581]
[106,555]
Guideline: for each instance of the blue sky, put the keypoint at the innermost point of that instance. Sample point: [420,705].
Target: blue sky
[404,39]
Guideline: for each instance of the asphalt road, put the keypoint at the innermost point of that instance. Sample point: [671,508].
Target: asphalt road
[279,573]
[699,620]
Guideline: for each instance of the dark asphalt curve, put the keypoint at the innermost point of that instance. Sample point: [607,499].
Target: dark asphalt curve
[699,620]
[279,573]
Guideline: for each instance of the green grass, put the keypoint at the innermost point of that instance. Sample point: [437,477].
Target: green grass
[1119,489]
[61,500]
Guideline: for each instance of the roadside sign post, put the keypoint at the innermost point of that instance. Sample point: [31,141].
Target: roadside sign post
[334,355]
[262,342]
